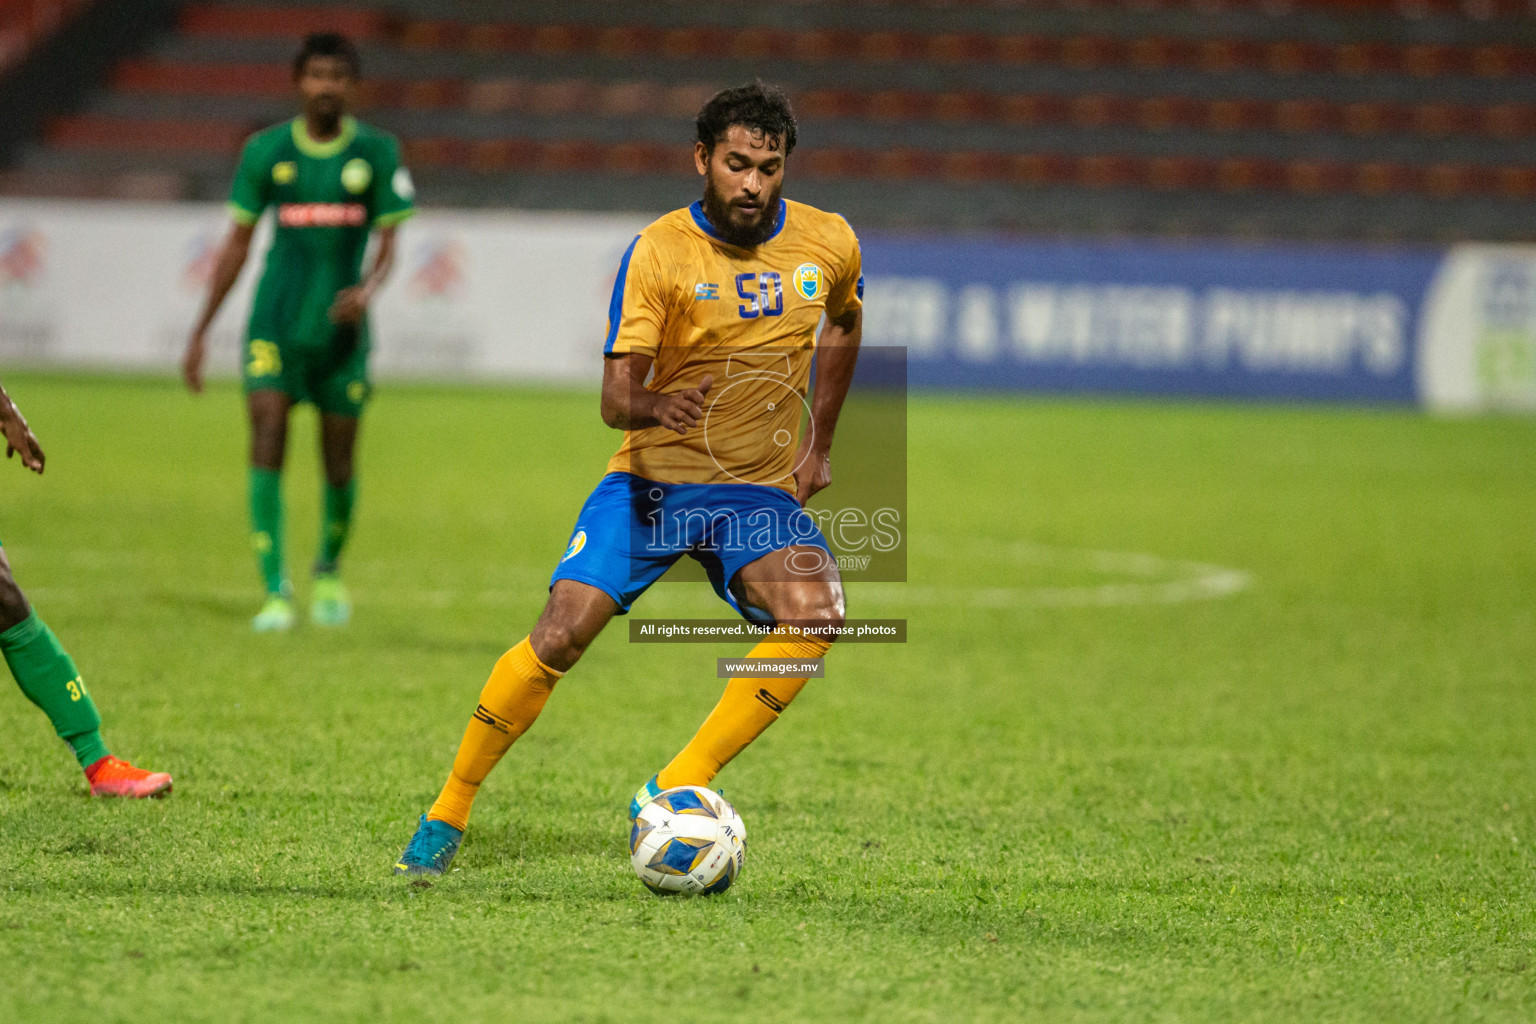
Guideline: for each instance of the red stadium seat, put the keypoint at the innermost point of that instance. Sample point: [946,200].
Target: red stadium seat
[1234,115]
[1105,171]
[970,168]
[1176,173]
[628,99]
[1028,110]
[499,155]
[1214,55]
[104,132]
[1381,177]
[169,77]
[361,23]
[1517,182]
[1300,117]
[1314,177]
[1098,111]
[829,162]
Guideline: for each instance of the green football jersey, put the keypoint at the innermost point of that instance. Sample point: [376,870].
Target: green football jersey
[328,197]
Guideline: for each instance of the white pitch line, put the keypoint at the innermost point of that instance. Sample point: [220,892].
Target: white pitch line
[1193,581]
[1181,582]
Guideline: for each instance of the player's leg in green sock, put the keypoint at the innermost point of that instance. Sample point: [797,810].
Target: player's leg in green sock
[338,440]
[267,526]
[50,680]
[335,525]
[268,410]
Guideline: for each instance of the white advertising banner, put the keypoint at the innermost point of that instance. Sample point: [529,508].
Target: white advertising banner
[524,296]
[1477,338]
[511,296]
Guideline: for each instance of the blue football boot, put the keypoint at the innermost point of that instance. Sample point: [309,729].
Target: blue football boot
[431,849]
[644,795]
[648,792]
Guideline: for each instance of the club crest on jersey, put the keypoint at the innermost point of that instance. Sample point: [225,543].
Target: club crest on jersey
[284,171]
[706,291]
[356,174]
[577,543]
[808,280]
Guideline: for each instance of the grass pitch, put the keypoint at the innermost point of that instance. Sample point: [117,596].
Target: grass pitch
[1092,787]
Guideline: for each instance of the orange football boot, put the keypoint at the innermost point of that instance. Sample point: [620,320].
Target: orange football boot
[111,777]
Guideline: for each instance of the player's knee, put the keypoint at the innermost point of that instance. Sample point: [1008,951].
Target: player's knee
[820,614]
[13,603]
[558,645]
[338,475]
[268,439]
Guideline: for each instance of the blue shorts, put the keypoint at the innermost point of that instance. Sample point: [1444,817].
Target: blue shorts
[631,530]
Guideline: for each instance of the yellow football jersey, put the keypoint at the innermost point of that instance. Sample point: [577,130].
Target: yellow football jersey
[700,306]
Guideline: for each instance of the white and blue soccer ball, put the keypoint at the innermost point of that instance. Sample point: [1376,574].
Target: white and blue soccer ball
[688,840]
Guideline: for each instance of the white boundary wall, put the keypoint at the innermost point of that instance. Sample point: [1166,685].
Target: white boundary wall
[475,294]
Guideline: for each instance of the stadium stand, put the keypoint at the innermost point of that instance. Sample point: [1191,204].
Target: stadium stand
[23,23]
[1352,118]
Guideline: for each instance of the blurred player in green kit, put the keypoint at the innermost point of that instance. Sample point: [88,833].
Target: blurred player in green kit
[333,181]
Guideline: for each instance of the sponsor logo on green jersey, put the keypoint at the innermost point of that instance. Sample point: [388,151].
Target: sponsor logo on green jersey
[322,215]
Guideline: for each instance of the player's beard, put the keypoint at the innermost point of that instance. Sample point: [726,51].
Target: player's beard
[325,113]
[718,209]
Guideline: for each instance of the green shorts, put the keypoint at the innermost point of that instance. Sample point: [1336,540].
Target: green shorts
[333,377]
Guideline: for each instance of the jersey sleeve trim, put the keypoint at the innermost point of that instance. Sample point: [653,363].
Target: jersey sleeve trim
[389,220]
[616,302]
[240,215]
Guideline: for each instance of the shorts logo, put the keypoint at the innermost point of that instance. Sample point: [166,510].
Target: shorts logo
[808,280]
[266,359]
[706,291]
[577,543]
[356,392]
[284,172]
[356,174]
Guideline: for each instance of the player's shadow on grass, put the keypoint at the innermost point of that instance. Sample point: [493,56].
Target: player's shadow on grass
[530,843]
[217,605]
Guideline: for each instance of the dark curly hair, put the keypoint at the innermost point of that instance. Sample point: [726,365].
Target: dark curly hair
[756,107]
[326,44]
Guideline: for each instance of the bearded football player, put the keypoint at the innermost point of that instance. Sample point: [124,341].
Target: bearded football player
[712,329]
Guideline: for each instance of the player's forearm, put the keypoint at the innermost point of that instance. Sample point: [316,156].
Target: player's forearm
[837,353]
[225,273]
[629,407]
[383,262]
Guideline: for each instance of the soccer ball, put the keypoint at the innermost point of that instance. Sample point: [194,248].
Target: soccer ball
[688,840]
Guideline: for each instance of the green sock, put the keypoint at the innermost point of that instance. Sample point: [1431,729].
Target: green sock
[48,677]
[267,527]
[336,524]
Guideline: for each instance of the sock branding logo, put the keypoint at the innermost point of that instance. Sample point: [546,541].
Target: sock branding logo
[774,704]
[482,715]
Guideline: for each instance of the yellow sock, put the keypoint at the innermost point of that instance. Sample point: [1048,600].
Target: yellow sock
[748,707]
[513,697]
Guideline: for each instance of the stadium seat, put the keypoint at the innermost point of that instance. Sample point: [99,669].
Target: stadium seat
[86,131]
[361,23]
[1318,99]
